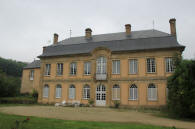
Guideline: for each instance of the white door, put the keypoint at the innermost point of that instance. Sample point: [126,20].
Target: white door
[101,95]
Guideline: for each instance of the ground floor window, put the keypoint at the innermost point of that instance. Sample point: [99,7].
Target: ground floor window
[116,92]
[133,92]
[58,91]
[46,91]
[152,92]
[72,92]
[86,92]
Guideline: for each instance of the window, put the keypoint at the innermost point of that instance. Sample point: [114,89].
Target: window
[152,92]
[72,92]
[151,67]
[133,92]
[31,74]
[87,68]
[116,92]
[86,92]
[101,65]
[73,68]
[59,68]
[116,67]
[169,65]
[133,66]
[46,91]
[58,91]
[47,69]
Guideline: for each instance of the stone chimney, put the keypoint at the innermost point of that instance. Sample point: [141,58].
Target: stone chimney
[128,29]
[88,33]
[172,22]
[55,38]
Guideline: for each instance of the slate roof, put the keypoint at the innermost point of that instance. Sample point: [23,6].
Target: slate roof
[138,40]
[34,64]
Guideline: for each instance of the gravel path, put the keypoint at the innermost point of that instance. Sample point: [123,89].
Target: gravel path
[95,114]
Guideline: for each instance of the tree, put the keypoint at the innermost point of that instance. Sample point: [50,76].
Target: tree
[181,85]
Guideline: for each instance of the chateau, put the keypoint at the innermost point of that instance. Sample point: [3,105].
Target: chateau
[131,67]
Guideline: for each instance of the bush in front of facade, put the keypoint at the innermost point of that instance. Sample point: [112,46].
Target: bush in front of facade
[181,89]
[116,103]
[17,100]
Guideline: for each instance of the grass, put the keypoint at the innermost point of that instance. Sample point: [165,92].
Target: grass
[7,122]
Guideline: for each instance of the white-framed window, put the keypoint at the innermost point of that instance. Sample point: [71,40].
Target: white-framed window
[59,68]
[169,64]
[101,65]
[133,66]
[46,91]
[86,92]
[151,65]
[152,92]
[133,92]
[58,91]
[73,68]
[47,69]
[87,68]
[32,74]
[72,92]
[116,92]
[116,67]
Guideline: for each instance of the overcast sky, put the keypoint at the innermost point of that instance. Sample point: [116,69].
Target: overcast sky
[28,25]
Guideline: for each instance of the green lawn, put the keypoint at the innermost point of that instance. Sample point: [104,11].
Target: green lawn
[7,122]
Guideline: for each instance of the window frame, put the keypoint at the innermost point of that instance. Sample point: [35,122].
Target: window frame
[149,67]
[135,92]
[170,68]
[47,69]
[46,96]
[88,64]
[31,74]
[58,92]
[116,70]
[101,65]
[86,92]
[135,63]
[60,69]
[72,92]
[152,92]
[73,68]
[116,92]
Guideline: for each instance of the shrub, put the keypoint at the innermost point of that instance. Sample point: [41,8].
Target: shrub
[35,95]
[17,100]
[91,101]
[181,85]
[116,103]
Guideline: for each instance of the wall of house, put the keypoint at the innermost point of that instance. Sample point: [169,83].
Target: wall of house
[28,85]
[142,79]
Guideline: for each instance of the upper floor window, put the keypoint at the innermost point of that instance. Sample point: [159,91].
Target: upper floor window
[58,91]
[169,64]
[87,68]
[72,92]
[116,92]
[116,67]
[133,66]
[101,65]
[31,74]
[46,91]
[47,69]
[151,66]
[86,92]
[73,68]
[152,92]
[59,68]
[133,92]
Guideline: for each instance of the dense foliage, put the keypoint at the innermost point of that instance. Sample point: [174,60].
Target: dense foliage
[11,67]
[181,85]
[10,77]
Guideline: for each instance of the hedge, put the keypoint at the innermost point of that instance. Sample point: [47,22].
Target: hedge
[17,100]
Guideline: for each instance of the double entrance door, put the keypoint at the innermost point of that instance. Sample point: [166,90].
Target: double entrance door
[101,95]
